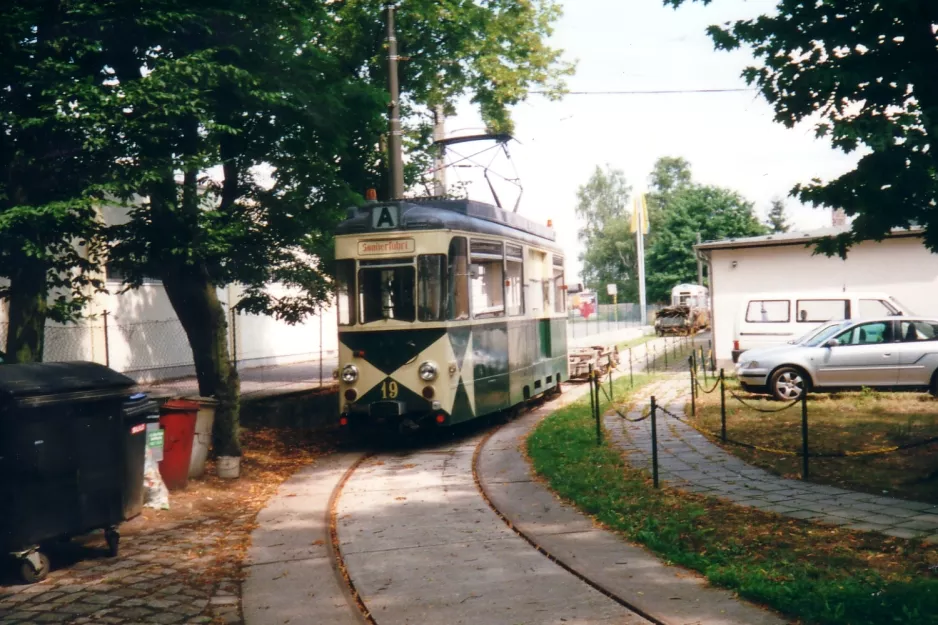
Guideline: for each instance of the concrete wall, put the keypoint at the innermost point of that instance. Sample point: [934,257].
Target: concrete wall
[901,267]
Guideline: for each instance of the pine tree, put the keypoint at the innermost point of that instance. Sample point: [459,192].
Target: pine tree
[777,221]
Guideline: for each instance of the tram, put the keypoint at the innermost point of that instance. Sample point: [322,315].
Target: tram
[448,310]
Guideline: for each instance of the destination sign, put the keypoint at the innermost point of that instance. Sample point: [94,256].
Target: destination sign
[386,246]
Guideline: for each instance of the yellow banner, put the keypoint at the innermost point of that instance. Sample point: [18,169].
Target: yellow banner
[640,214]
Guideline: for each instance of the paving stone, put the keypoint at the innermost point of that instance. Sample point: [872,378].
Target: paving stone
[919,525]
[868,527]
[900,532]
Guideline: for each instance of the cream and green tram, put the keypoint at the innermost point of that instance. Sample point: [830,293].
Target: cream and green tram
[448,310]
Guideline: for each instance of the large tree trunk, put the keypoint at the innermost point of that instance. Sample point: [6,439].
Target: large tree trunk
[196,304]
[28,305]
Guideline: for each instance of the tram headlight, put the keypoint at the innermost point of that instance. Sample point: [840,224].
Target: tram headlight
[428,371]
[349,373]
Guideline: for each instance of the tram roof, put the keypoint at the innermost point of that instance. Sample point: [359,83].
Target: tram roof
[437,214]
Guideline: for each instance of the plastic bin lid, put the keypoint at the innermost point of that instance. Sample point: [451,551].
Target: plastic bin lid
[53,378]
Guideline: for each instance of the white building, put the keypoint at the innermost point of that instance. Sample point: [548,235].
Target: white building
[900,266]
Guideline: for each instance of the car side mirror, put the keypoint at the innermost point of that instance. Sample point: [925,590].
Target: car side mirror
[832,343]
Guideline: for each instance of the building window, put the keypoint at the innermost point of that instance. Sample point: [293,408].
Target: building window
[113,274]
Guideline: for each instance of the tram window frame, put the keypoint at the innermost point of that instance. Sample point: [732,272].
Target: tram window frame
[440,268]
[514,260]
[345,291]
[404,266]
[560,295]
[458,304]
[483,256]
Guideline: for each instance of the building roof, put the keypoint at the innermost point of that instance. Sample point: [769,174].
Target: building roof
[795,238]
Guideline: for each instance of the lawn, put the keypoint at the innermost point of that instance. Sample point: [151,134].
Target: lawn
[865,420]
[811,573]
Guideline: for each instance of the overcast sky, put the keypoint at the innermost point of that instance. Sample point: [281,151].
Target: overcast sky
[730,139]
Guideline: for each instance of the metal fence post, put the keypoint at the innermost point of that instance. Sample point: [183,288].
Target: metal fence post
[107,343]
[234,339]
[594,388]
[611,392]
[320,349]
[631,377]
[804,434]
[693,389]
[592,394]
[654,442]
[723,405]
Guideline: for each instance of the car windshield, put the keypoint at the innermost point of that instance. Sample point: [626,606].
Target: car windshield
[825,334]
[811,333]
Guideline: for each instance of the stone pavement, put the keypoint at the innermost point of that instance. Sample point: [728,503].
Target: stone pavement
[173,574]
[687,460]
[262,381]
[670,594]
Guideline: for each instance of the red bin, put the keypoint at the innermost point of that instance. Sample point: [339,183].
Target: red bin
[177,418]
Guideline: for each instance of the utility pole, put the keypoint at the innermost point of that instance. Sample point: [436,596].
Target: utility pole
[439,159]
[699,263]
[395,153]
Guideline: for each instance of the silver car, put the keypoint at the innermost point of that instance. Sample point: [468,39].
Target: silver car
[889,352]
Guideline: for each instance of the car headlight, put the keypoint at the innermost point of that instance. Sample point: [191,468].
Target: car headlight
[428,371]
[752,364]
[349,373]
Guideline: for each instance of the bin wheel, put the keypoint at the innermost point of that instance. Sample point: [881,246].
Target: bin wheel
[113,539]
[30,574]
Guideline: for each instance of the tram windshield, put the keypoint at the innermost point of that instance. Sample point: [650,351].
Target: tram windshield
[386,290]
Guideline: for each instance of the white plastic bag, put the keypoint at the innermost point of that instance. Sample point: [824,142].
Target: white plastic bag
[156,495]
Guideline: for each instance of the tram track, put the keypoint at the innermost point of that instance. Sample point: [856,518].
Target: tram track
[382,612]
[358,600]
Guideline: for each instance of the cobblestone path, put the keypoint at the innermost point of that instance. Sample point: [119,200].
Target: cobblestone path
[689,461]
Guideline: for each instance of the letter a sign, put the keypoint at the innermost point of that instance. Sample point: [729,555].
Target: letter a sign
[384,217]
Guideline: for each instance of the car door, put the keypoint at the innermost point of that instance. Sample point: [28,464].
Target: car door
[864,356]
[918,351]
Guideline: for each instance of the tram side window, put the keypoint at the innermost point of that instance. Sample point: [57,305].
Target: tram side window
[345,288]
[487,272]
[458,279]
[431,287]
[560,293]
[514,260]
[386,290]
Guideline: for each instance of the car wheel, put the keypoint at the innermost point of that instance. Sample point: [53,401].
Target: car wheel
[933,389]
[788,384]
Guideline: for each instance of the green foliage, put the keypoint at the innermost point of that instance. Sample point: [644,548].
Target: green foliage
[713,212]
[827,576]
[609,247]
[863,71]
[777,221]
[49,238]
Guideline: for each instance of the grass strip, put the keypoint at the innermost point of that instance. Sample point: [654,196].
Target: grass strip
[838,422]
[814,573]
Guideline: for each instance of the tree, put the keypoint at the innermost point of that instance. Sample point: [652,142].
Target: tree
[777,221]
[50,245]
[713,212]
[865,71]
[295,89]
[609,246]
[669,175]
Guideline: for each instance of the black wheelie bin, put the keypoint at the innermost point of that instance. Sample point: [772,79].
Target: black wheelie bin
[64,457]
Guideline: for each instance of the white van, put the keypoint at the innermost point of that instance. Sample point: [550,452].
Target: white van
[766,319]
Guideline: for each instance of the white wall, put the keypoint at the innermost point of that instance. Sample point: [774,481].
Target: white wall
[901,267]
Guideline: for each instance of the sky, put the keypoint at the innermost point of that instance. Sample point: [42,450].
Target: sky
[730,139]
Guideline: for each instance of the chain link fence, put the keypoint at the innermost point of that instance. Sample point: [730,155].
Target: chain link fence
[158,350]
[605,318]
